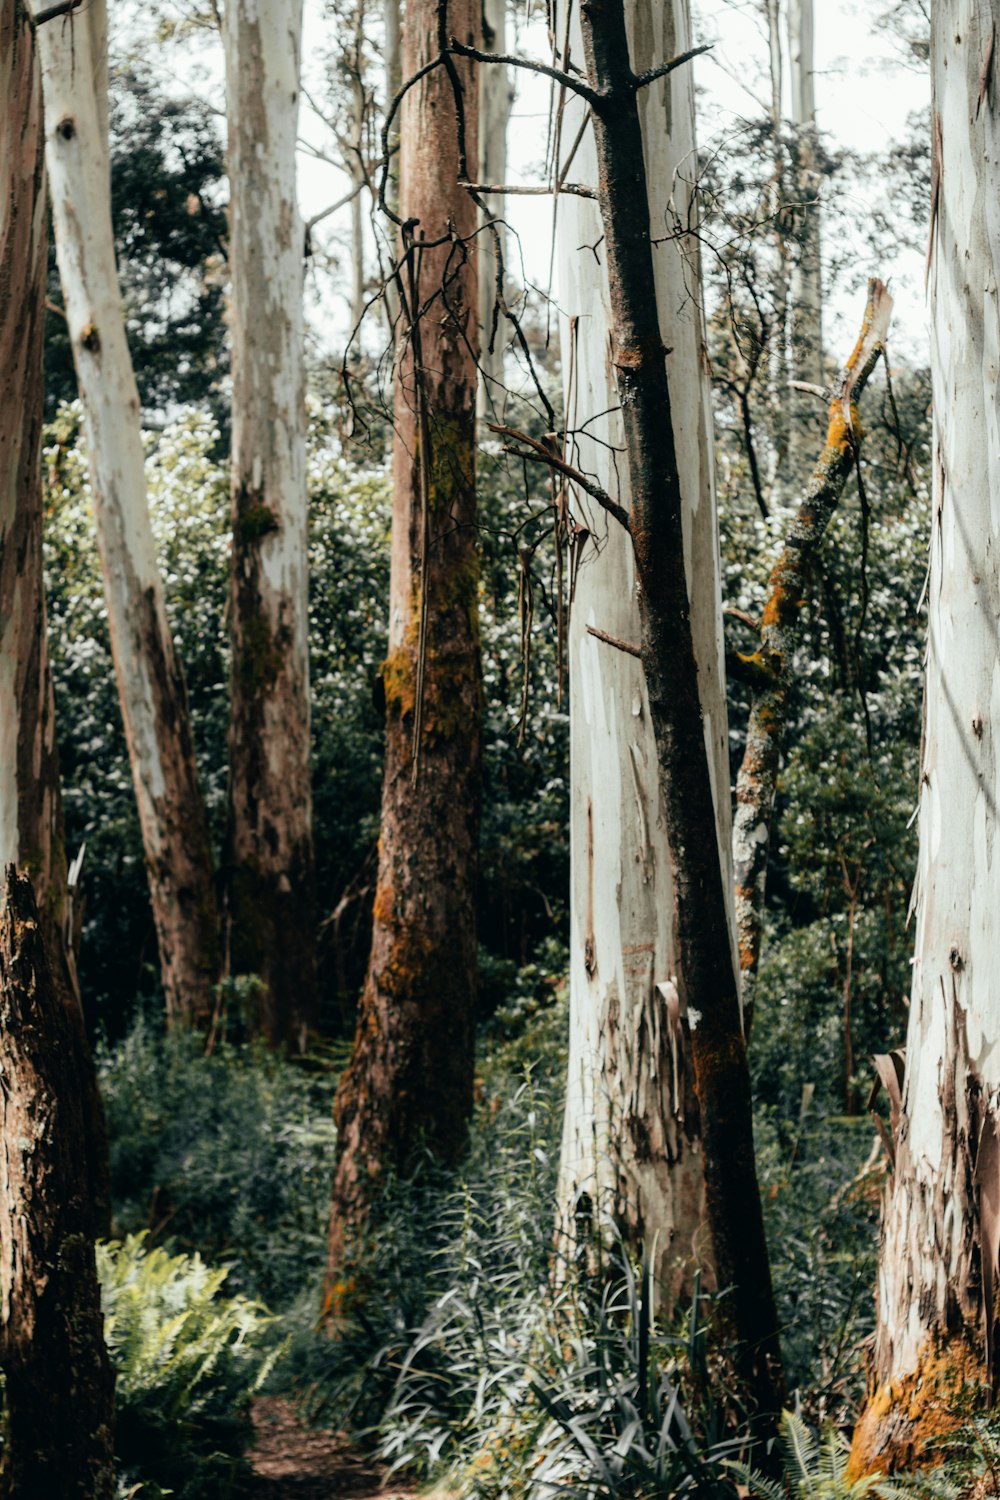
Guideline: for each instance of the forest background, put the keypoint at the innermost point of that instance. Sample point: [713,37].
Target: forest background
[224,1149]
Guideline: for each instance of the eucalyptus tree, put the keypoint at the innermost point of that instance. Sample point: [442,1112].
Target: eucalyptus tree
[51,1343]
[632,1150]
[410,1077]
[73,50]
[271,917]
[938,1269]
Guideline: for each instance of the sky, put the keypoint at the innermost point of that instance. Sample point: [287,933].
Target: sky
[864,90]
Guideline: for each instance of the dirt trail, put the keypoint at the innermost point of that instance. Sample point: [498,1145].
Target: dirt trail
[295,1462]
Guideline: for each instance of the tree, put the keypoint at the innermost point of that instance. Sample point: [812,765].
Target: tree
[31,826]
[631,1143]
[707,981]
[72,49]
[496,99]
[271,918]
[938,1256]
[805,291]
[410,1078]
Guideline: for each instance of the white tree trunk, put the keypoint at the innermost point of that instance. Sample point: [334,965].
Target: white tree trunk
[941,1209]
[806,290]
[496,99]
[72,49]
[271,930]
[630,1140]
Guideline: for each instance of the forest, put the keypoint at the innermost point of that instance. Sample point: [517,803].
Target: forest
[499,651]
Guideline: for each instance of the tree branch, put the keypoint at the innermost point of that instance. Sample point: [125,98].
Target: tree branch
[642,80]
[540,453]
[541,190]
[510,60]
[612,640]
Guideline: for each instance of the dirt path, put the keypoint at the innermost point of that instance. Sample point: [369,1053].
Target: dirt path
[295,1462]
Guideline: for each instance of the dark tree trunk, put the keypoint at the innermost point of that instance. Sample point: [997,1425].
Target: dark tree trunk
[410,1078]
[59,1382]
[706,968]
[31,826]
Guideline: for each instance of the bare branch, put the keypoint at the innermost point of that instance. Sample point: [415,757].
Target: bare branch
[535,191]
[510,60]
[641,80]
[612,640]
[539,452]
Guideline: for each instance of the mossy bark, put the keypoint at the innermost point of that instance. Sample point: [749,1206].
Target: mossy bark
[59,1381]
[271,923]
[31,825]
[409,1083]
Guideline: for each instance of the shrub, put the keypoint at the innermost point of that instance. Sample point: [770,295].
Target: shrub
[228,1154]
[188,1362]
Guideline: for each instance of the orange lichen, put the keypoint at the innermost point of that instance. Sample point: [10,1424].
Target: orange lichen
[904,1419]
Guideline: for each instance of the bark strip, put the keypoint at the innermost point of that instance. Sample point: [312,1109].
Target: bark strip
[59,1381]
[770,665]
[707,976]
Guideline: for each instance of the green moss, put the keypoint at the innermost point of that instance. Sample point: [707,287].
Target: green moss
[260,658]
[255,521]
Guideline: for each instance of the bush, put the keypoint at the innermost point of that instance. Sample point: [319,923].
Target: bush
[188,1362]
[228,1154]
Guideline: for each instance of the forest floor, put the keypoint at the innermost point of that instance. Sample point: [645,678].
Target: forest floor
[295,1462]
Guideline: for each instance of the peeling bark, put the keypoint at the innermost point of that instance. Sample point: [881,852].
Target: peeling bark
[31,826]
[410,1078]
[631,1148]
[271,897]
[939,1237]
[59,1386]
[769,667]
[150,679]
[707,978]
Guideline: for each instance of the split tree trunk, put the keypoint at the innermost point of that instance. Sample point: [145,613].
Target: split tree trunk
[150,679]
[631,1139]
[59,1386]
[706,978]
[938,1257]
[271,917]
[410,1078]
[496,99]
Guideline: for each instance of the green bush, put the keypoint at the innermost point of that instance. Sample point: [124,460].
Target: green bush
[188,1362]
[229,1154]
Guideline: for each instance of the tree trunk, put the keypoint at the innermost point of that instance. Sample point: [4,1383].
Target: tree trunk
[410,1078]
[706,977]
[150,679]
[631,1137]
[806,288]
[777,334]
[770,669]
[938,1257]
[59,1383]
[271,918]
[496,99]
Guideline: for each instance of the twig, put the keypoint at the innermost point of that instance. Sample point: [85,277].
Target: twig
[510,60]
[534,191]
[612,640]
[641,80]
[541,454]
